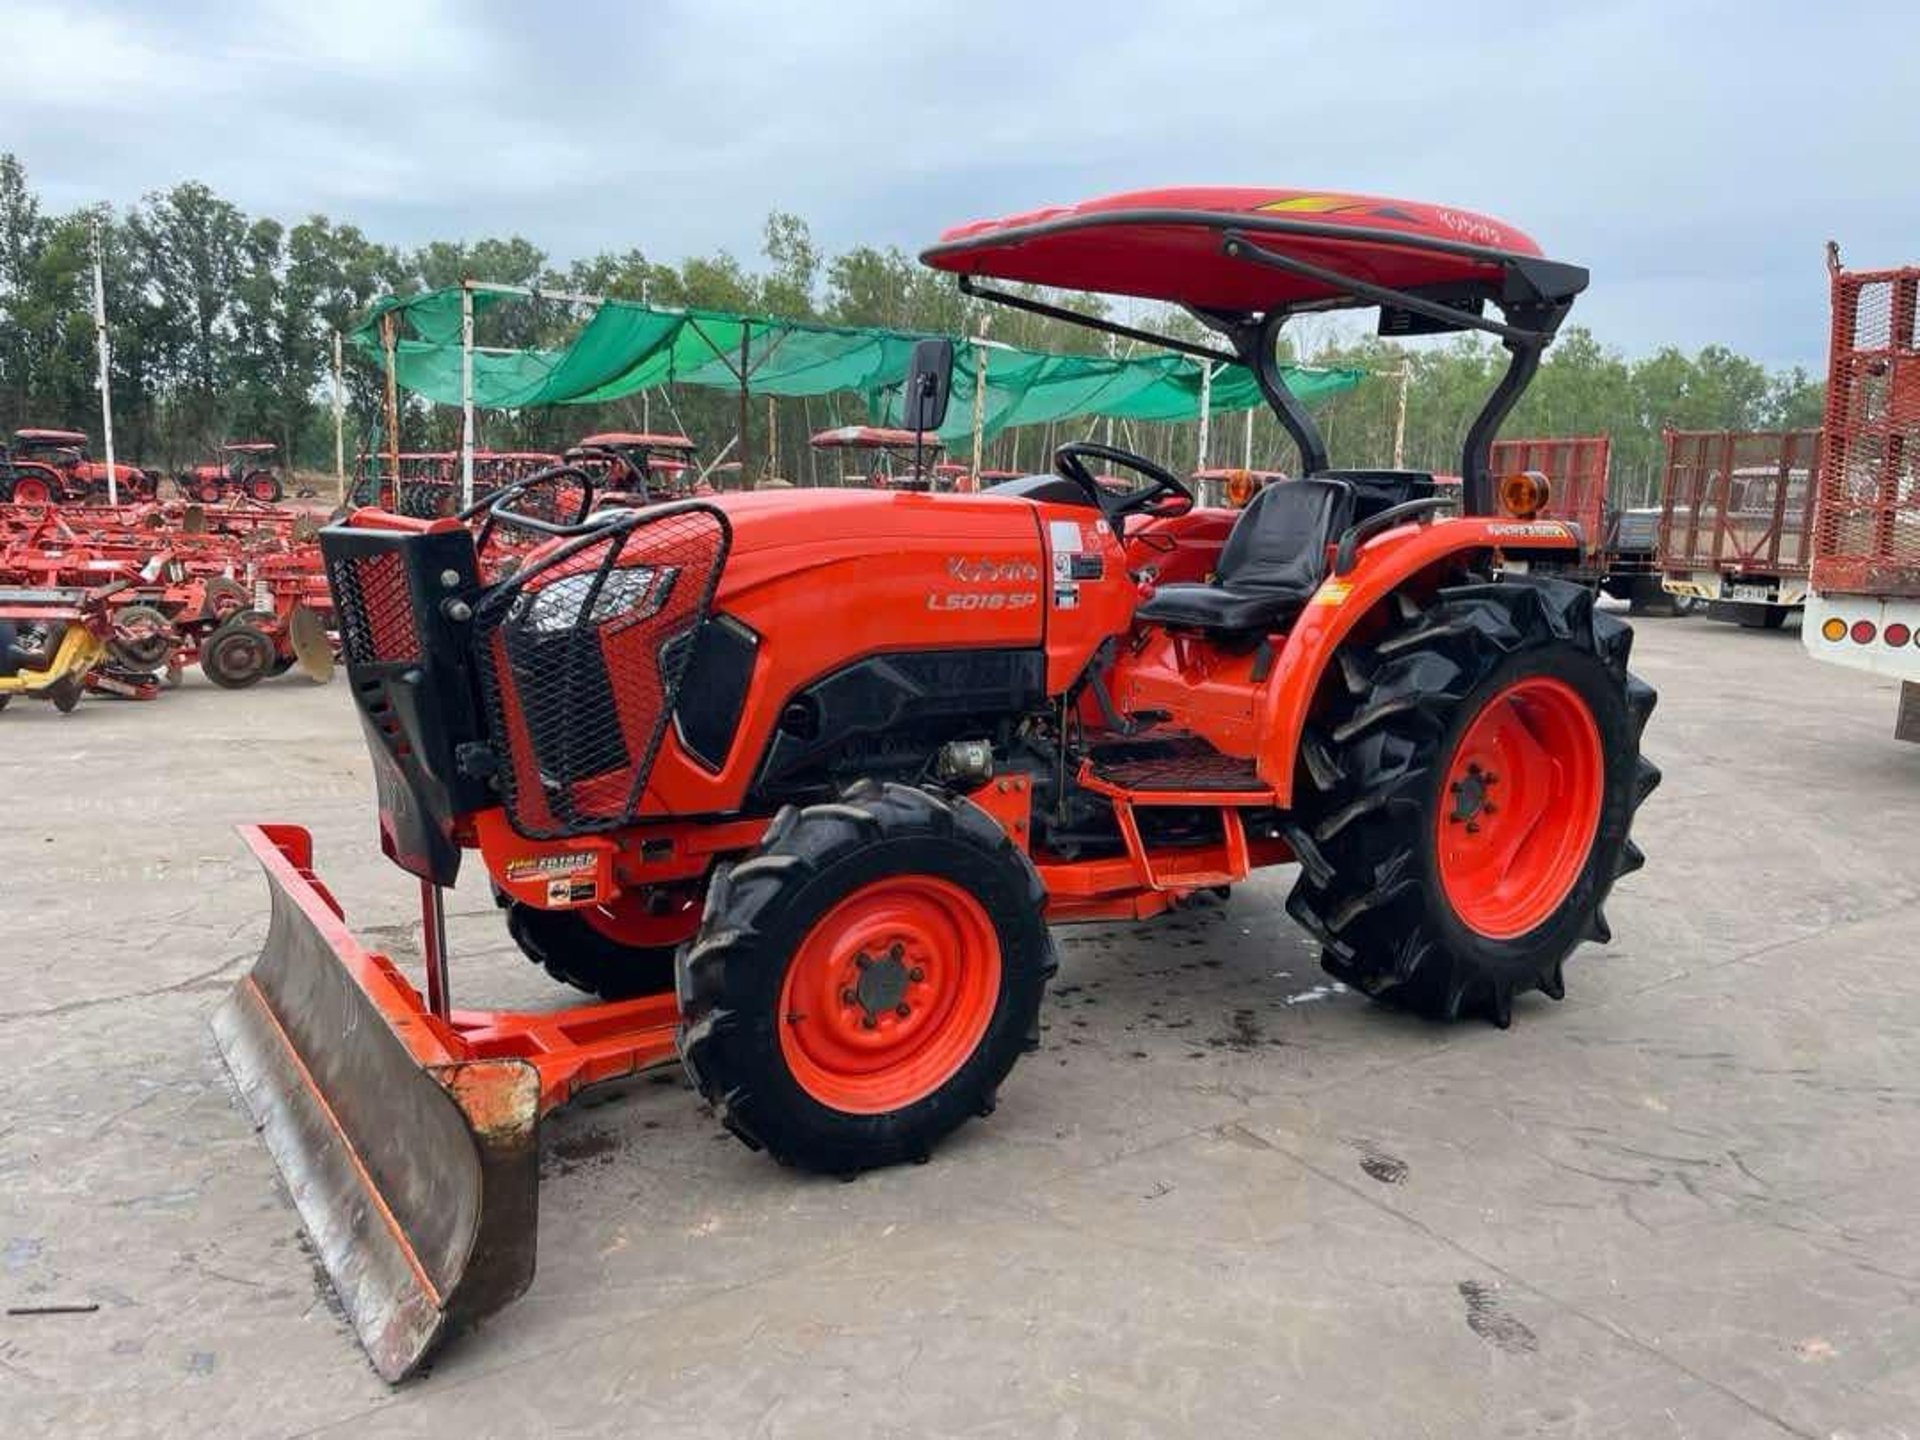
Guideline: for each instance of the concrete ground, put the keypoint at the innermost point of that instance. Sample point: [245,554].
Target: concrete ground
[1224,1198]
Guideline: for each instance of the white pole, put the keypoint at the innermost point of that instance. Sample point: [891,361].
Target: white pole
[466,394]
[1246,444]
[106,368]
[1400,418]
[1206,411]
[339,420]
[646,396]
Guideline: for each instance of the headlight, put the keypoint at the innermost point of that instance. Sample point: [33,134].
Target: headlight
[631,593]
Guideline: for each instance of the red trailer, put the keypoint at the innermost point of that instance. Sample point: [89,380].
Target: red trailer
[1864,607]
[1736,520]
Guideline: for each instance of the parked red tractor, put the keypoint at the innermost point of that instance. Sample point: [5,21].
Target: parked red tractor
[804,779]
[244,467]
[52,467]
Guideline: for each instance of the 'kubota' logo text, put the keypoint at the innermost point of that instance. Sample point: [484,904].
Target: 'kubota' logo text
[979,570]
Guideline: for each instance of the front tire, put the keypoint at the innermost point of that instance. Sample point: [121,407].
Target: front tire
[566,944]
[1471,797]
[864,983]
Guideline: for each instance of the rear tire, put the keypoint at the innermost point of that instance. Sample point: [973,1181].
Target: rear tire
[576,954]
[1530,678]
[864,983]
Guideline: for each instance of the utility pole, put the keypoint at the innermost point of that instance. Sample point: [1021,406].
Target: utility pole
[106,368]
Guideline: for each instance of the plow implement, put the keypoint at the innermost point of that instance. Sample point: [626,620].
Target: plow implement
[406,1132]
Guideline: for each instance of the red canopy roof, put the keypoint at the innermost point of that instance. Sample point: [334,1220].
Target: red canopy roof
[251,447]
[652,442]
[1167,245]
[52,437]
[870,437]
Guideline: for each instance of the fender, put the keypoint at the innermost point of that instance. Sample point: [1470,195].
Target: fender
[1342,601]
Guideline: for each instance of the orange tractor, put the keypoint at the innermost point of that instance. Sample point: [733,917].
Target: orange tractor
[798,783]
[244,467]
[53,467]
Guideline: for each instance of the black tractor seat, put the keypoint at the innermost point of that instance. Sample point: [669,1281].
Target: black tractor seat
[1274,559]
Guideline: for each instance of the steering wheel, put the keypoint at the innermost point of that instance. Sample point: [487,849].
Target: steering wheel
[1070,462]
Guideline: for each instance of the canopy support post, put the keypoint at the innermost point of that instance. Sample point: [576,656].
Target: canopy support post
[1403,375]
[746,447]
[1206,412]
[979,408]
[105,350]
[339,421]
[466,394]
[387,492]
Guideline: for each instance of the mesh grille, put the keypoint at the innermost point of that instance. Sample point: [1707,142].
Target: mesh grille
[1576,469]
[375,608]
[1867,526]
[581,669]
[1738,502]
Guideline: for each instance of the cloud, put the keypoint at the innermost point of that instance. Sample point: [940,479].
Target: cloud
[1694,155]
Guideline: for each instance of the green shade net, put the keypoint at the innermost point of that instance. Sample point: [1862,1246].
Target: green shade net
[626,348]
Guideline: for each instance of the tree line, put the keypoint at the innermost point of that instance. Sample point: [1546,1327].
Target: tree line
[222,327]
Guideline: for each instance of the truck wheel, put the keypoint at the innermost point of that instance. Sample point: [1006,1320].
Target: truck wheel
[864,983]
[236,656]
[573,952]
[1471,797]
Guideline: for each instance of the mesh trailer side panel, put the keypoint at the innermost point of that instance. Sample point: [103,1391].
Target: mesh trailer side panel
[1867,523]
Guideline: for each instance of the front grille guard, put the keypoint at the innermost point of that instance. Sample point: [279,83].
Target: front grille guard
[578,666]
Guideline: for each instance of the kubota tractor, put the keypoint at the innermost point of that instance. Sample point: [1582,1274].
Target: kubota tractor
[244,467]
[52,467]
[798,783]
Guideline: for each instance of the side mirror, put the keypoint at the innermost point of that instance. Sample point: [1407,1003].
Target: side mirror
[923,403]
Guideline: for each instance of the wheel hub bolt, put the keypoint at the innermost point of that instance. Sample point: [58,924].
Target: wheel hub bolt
[849,996]
[867,1022]
[862,961]
[903,1010]
[916,975]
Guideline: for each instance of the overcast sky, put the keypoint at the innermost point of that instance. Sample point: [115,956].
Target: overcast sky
[1695,156]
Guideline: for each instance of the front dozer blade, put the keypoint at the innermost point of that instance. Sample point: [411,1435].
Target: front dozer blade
[413,1163]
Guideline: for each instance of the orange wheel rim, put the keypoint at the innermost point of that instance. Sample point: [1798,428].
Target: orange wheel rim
[890,992]
[32,492]
[1521,807]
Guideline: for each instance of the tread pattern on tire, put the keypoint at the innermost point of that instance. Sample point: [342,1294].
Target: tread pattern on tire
[1369,778]
[726,1040]
[569,949]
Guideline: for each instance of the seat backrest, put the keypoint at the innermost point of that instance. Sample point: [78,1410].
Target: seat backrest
[1280,540]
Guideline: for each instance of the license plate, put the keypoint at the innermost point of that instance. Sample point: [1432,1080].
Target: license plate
[1748,592]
